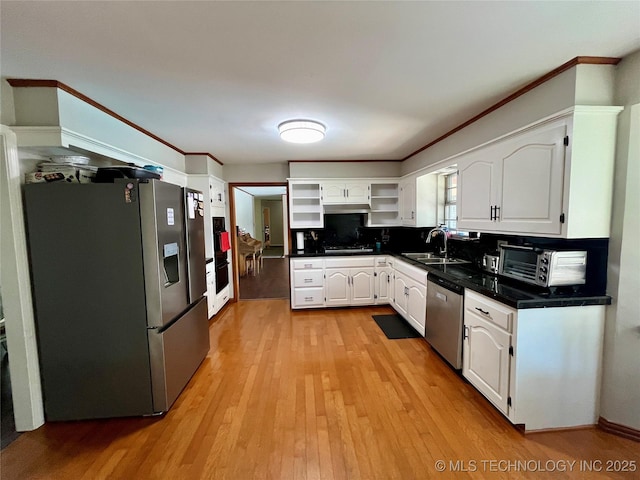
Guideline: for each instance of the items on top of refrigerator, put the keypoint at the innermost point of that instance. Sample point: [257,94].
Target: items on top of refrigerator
[70,159]
[62,171]
[108,174]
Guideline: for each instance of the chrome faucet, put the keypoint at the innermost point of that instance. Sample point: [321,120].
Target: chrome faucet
[442,229]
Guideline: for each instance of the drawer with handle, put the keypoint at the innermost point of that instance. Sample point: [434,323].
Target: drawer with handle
[306,263]
[308,297]
[307,278]
[497,313]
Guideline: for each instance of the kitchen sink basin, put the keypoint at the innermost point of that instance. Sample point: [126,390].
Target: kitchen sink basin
[420,256]
[432,259]
[444,261]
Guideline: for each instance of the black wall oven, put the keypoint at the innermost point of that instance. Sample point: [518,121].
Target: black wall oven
[220,254]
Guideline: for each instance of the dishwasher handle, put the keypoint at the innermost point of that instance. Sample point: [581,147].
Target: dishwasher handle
[444,283]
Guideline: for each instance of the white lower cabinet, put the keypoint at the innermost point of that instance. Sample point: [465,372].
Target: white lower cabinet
[339,281]
[383,281]
[222,297]
[307,282]
[211,289]
[349,281]
[486,360]
[538,366]
[410,294]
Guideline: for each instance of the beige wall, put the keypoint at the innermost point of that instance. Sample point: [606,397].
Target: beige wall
[257,172]
[580,85]
[276,227]
[620,396]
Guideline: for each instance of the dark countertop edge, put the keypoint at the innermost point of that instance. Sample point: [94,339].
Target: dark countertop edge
[347,254]
[578,301]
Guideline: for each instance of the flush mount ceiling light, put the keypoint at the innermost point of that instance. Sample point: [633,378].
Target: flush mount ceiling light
[301,131]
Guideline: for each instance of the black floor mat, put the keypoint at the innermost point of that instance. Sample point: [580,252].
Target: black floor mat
[395,327]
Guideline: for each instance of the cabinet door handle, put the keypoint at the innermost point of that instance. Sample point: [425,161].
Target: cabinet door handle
[497,213]
[308,280]
[482,311]
[491,214]
[308,265]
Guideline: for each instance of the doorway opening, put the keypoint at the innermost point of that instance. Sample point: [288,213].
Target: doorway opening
[260,232]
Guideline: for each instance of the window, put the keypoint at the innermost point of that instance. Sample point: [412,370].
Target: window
[450,197]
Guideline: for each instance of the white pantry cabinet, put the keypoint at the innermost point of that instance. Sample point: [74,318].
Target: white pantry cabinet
[214,204]
[553,179]
[211,289]
[345,193]
[511,356]
[410,294]
[218,198]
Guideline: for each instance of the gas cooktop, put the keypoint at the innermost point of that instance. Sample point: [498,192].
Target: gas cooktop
[348,249]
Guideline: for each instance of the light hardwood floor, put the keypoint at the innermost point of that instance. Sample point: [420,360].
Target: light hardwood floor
[314,395]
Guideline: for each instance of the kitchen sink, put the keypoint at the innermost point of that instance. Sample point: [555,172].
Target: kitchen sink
[432,259]
[420,256]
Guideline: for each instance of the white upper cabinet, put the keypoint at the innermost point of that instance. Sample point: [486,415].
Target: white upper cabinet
[385,204]
[341,193]
[476,201]
[218,197]
[418,200]
[554,179]
[408,205]
[515,185]
[305,204]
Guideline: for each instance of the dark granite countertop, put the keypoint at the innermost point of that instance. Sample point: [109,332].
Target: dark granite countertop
[510,292]
[329,253]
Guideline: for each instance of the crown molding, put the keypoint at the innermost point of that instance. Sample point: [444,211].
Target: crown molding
[206,154]
[518,93]
[582,60]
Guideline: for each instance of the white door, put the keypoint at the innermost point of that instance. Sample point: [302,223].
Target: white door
[357,192]
[485,359]
[400,293]
[337,287]
[417,307]
[383,285]
[333,193]
[476,191]
[362,286]
[408,200]
[531,184]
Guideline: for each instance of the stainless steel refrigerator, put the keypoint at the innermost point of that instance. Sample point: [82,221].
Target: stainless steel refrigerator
[118,278]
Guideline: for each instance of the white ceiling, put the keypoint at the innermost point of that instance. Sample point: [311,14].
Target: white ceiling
[385,77]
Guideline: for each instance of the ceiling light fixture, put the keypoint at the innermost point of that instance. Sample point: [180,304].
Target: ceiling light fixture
[301,131]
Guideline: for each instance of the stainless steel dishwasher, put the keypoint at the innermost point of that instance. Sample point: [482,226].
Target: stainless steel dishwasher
[444,318]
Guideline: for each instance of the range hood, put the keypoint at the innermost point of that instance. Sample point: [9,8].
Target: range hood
[350,208]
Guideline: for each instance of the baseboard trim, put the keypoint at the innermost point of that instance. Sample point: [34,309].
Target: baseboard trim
[555,429]
[620,430]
